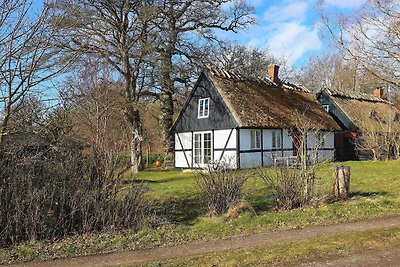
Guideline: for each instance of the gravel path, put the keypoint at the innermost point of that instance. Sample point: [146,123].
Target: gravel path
[238,242]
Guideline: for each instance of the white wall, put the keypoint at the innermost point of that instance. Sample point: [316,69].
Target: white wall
[220,138]
[249,159]
[186,140]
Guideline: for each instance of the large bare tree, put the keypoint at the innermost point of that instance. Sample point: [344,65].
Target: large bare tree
[28,56]
[370,37]
[184,28]
[118,31]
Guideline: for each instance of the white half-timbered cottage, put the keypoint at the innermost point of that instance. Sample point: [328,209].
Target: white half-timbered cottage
[247,122]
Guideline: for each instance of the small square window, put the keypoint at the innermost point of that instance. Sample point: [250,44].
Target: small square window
[203,108]
[326,107]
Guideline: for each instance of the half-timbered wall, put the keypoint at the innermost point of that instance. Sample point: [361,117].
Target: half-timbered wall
[223,148]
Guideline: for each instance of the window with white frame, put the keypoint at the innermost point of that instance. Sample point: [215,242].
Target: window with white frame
[326,107]
[276,139]
[203,108]
[255,139]
[202,148]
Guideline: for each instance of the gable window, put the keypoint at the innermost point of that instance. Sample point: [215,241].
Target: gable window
[202,148]
[326,107]
[255,139]
[203,108]
[276,139]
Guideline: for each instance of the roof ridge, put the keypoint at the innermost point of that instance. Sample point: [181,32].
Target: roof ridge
[233,75]
[355,95]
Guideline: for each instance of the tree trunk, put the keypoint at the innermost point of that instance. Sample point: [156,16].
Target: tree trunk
[3,129]
[341,182]
[166,122]
[136,140]
[167,104]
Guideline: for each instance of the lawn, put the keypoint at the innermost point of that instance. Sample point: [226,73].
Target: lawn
[179,215]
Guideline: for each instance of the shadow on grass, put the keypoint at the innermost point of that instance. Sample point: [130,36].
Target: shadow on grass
[368,194]
[140,181]
[181,210]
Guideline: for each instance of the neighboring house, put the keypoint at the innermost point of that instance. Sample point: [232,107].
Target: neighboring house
[360,115]
[247,122]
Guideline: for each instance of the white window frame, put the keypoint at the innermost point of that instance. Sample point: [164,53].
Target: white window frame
[200,159]
[326,107]
[276,139]
[203,110]
[255,139]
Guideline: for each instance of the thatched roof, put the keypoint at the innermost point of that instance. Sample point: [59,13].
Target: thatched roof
[365,111]
[259,102]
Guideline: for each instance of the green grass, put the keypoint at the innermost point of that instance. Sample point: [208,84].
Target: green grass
[375,188]
[296,252]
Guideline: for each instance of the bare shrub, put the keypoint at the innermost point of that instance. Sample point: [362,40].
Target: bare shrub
[55,190]
[291,186]
[220,188]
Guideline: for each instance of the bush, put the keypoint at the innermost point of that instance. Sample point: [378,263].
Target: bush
[291,186]
[52,191]
[220,189]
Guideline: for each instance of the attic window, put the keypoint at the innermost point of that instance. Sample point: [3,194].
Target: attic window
[204,108]
[326,107]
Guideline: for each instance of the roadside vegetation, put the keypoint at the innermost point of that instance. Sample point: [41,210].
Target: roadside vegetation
[328,247]
[179,215]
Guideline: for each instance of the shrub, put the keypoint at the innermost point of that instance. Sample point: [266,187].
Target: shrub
[291,186]
[52,191]
[220,189]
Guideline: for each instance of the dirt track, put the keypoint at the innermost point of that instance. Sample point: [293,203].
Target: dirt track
[201,247]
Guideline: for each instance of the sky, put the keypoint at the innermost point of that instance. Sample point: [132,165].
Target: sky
[291,29]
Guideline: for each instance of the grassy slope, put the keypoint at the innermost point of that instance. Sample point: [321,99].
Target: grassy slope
[296,252]
[375,190]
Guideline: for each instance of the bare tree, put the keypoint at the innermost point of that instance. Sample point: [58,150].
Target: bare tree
[379,136]
[183,29]
[28,56]
[370,37]
[249,61]
[294,181]
[118,31]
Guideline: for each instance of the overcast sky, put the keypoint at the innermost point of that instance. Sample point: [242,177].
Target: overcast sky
[291,28]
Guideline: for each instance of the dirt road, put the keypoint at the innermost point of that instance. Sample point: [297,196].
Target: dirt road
[202,247]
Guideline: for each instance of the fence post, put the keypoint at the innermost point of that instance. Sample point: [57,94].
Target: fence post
[341,182]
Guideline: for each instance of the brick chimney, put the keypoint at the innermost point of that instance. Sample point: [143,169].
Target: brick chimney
[378,92]
[273,71]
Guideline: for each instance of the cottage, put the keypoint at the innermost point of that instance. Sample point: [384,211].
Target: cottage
[366,121]
[247,122]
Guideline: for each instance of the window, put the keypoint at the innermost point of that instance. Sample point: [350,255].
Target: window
[204,108]
[276,139]
[320,140]
[255,139]
[202,148]
[326,107]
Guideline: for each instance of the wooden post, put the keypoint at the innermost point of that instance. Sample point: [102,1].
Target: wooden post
[341,182]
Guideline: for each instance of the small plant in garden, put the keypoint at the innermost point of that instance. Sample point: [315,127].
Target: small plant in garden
[220,188]
[291,186]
